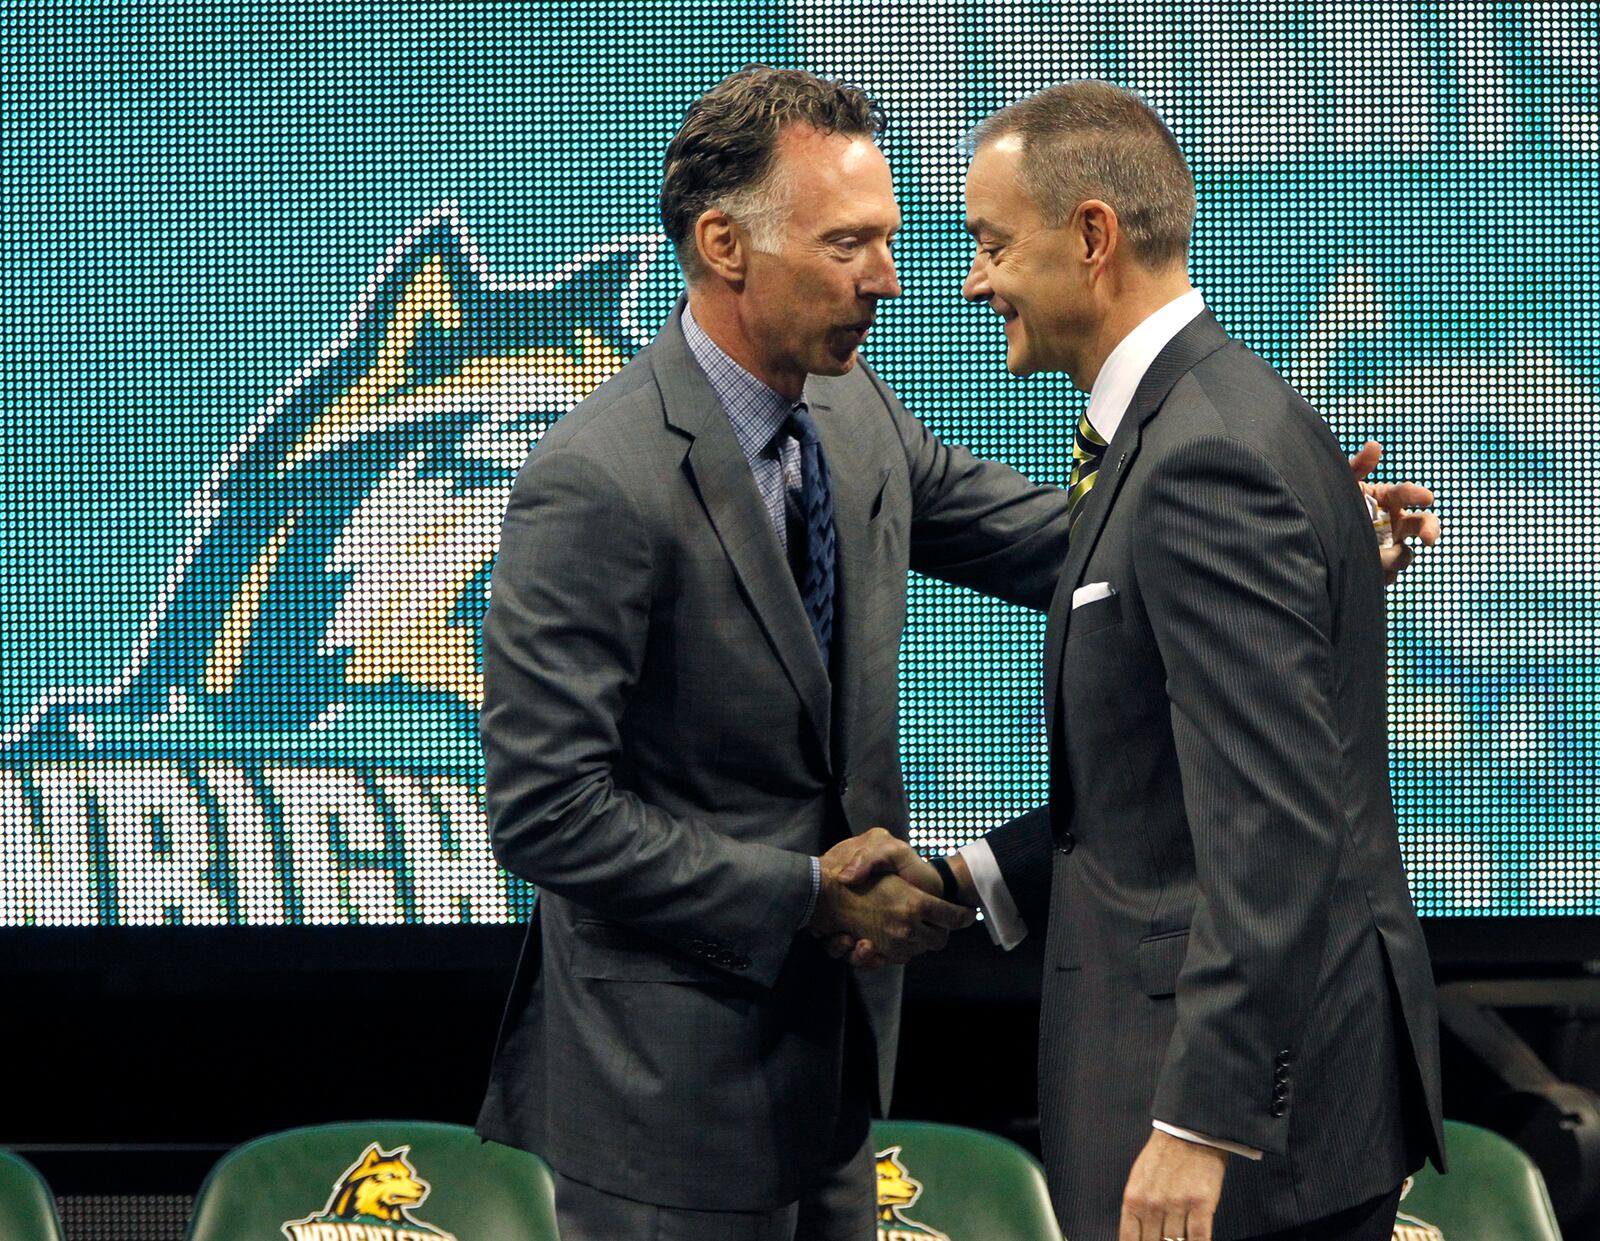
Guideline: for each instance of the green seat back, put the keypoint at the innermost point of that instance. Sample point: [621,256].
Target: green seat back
[363,1181]
[27,1208]
[941,1181]
[1492,1190]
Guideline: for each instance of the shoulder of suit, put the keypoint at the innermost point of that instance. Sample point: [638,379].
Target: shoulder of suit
[615,414]
[1235,392]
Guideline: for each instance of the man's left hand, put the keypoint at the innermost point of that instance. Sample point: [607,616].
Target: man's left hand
[1173,1190]
[1400,501]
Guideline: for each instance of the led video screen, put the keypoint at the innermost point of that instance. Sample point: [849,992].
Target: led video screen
[290,290]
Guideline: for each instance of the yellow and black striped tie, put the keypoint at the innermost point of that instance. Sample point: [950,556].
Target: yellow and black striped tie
[1087,451]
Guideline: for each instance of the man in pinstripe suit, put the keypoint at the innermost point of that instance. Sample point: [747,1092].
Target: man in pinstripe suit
[1238,1001]
[1238,1033]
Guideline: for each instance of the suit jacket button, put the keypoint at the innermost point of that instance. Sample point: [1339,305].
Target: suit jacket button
[844,785]
[1279,1108]
[1065,843]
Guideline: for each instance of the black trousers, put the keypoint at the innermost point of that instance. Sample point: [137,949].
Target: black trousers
[1370,1221]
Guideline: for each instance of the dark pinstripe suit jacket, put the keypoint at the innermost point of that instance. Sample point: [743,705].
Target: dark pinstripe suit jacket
[665,750]
[1232,946]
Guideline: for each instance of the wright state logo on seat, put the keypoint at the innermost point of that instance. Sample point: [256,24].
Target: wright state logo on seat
[372,1201]
[897,1192]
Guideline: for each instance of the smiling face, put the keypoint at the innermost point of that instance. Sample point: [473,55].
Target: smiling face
[1032,273]
[807,308]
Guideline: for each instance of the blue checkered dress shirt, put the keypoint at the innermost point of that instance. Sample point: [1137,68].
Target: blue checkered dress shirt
[757,414]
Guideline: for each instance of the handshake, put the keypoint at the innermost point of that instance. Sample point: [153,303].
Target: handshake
[881,904]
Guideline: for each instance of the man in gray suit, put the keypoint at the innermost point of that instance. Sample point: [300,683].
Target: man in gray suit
[691,661]
[1238,1035]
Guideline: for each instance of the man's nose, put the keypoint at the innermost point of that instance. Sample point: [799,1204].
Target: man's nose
[882,280]
[975,288]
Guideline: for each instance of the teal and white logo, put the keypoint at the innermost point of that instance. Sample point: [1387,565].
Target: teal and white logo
[293,736]
[236,661]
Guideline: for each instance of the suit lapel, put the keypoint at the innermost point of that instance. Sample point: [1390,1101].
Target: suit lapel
[1183,352]
[721,477]
[855,480]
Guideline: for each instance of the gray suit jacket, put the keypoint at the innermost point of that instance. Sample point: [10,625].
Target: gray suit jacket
[665,751]
[1232,945]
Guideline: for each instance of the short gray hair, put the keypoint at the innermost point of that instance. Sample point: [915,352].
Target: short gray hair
[1083,140]
[723,155]
[762,207]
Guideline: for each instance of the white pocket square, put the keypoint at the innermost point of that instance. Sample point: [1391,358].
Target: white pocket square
[1091,592]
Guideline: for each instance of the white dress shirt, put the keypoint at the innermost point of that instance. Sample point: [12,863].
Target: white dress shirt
[1113,393]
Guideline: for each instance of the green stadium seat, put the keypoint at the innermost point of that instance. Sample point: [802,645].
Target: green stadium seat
[1493,1190]
[409,1180]
[27,1208]
[943,1181]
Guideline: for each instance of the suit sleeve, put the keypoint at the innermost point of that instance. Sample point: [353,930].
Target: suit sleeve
[1024,850]
[978,523]
[1234,579]
[563,644]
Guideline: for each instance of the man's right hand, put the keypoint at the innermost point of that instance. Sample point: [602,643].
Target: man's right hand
[887,909]
[876,851]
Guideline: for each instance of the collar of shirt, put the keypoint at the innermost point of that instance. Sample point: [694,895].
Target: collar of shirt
[1120,376]
[755,410]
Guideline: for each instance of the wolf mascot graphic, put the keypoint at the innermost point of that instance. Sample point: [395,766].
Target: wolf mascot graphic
[372,1201]
[331,587]
[302,698]
[897,1192]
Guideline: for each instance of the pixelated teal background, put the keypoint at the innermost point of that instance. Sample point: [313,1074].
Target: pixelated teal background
[1398,207]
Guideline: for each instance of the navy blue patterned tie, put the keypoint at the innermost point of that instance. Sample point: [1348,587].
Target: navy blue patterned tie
[816,511]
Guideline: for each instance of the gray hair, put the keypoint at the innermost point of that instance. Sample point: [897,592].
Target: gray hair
[722,157]
[761,207]
[1084,140]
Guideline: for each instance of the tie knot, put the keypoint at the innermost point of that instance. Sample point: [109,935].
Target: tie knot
[800,425]
[1088,444]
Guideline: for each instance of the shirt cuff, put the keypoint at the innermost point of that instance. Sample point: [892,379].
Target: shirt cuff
[816,888]
[1381,525]
[1000,915]
[1189,1135]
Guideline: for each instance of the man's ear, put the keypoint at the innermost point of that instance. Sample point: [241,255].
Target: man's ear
[1095,229]
[724,248]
